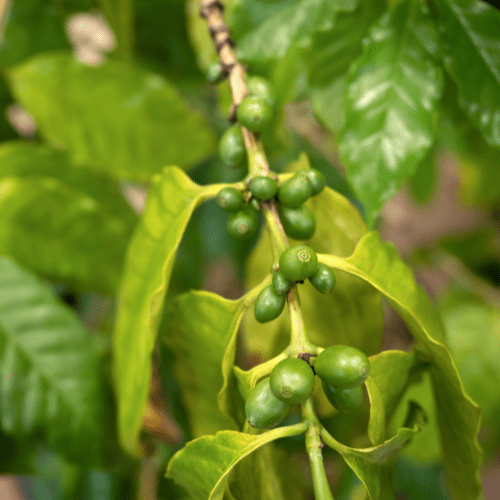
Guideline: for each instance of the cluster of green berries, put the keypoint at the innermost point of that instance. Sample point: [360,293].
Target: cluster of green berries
[342,370]
[296,264]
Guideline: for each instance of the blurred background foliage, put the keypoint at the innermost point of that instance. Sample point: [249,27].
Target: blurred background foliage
[97,96]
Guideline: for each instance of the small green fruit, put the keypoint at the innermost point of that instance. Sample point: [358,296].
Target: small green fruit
[268,305]
[316,178]
[263,409]
[232,147]
[298,263]
[263,188]
[323,279]
[254,113]
[298,223]
[342,366]
[261,87]
[280,283]
[295,191]
[244,223]
[255,204]
[344,400]
[229,199]
[214,73]
[292,381]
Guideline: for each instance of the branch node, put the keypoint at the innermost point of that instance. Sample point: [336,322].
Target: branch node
[208,4]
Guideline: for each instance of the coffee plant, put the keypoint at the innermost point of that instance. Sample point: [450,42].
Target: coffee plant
[125,372]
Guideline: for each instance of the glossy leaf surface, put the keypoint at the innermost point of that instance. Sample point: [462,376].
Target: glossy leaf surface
[380,265]
[61,233]
[200,327]
[294,25]
[392,91]
[50,379]
[470,34]
[150,258]
[203,466]
[115,119]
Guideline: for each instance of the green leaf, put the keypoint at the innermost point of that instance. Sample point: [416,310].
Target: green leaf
[203,466]
[115,118]
[50,378]
[380,265]
[25,159]
[392,92]
[470,35]
[292,26]
[199,329]
[329,57]
[150,258]
[61,233]
[33,26]
[423,181]
[351,314]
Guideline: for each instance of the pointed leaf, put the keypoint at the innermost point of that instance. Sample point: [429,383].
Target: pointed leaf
[49,377]
[115,118]
[392,91]
[470,32]
[199,329]
[294,25]
[380,265]
[61,233]
[203,466]
[150,258]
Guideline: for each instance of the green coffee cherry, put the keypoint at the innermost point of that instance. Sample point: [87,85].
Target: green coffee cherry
[342,366]
[298,223]
[281,285]
[244,223]
[292,381]
[254,113]
[268,305]
[229,199]
[255,204]
[261,87]
[298,263]
[344,400]
[263,409]
[263,188]
[316,178]
[214,73]
[232,147]
[323,279]
[295,191]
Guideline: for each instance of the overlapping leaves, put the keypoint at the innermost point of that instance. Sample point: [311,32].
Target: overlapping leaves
[392,90]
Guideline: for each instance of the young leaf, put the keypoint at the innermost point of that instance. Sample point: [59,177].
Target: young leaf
[379,265]
[115,118]
[392,91]
[292,26]
[61,233]
[150,258]
[203,466]
[32,27]
[470,32]
[50,378]
[199,329]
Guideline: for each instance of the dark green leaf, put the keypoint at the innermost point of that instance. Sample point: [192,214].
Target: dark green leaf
[50,378]
[203,466]
[292,26]
[330,56]
[199,329]
[470,32]
[115,118]
[392,90]
[33,26]
[423,182]
[379,264]
[61,233]
[150,258]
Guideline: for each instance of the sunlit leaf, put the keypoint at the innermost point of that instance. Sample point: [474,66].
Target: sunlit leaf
[115,118]
[50,379]
[392,92]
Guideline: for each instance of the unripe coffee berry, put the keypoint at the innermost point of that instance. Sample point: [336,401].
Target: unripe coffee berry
[316,178]
[298,223]
[292,381]
[268,305]
[244,223]
[263,187]
[280,283]
[263,409]
[323,279]
[259,86]
[295,191]
[344,400]
[298,263]
[229,199]
[232,147]
[254,113]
